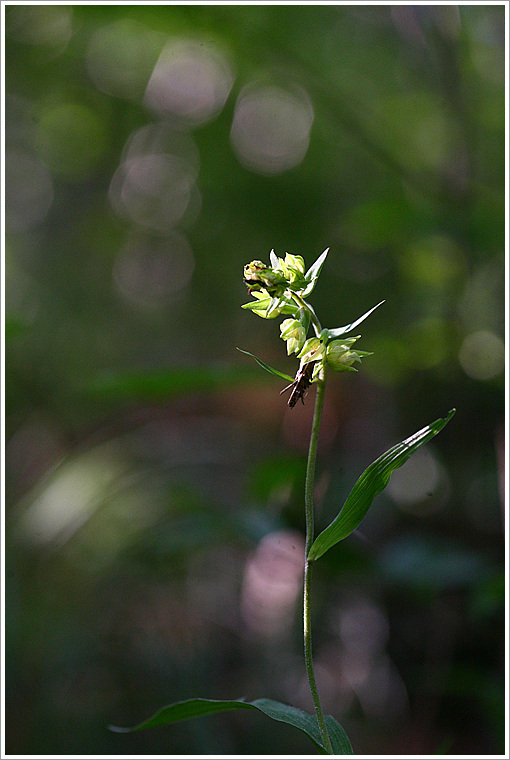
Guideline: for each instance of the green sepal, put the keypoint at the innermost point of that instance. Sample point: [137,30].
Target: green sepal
[262,306]
[313,273]
[275,261]
[260,303]
[369,485]
[267,367]
[274,307]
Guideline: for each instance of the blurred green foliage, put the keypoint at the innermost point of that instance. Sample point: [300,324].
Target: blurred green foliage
[153,475]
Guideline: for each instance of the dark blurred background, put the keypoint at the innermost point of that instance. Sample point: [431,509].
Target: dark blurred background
[153,474]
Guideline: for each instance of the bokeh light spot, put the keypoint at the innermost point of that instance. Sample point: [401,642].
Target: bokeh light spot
[48,25]
[435,261]
[154,183]
[271,128]
[272,584]
[191,81]
[482,355]
[121,57]
[415,485]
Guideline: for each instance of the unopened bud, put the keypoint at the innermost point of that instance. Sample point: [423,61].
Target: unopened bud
[292,331]
[258,276]
[339,355]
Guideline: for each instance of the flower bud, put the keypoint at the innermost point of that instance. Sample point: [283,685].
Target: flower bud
[293,267]
[258,276]
[292,331]
[340,357]
[297,263]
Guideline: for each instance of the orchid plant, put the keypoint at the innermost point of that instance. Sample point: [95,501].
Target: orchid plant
[282,289]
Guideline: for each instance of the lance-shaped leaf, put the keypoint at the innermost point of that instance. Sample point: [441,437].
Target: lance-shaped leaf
[313,273]
[337,332]
[265,366]
[196,708]
[370,484]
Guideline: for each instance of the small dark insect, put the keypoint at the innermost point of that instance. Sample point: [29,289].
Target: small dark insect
[300,385]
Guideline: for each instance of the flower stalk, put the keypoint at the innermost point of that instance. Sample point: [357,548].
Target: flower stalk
[307,582]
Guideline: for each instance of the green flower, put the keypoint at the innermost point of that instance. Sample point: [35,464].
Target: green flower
[312,351]
[340,357]
[292,331]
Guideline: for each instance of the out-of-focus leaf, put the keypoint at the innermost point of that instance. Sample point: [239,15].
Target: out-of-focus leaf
[196,708]
[163,384]
[369,485]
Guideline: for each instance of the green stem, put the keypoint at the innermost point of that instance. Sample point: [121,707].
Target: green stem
[307,628]
[313,316]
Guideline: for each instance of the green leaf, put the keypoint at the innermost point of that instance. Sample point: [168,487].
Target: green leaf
[339,739]
[369,485]
[337,332]
[313,273]
[267,367]
[196,708]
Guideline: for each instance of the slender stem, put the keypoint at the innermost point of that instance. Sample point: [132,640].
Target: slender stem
[307,628]
[313,316]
